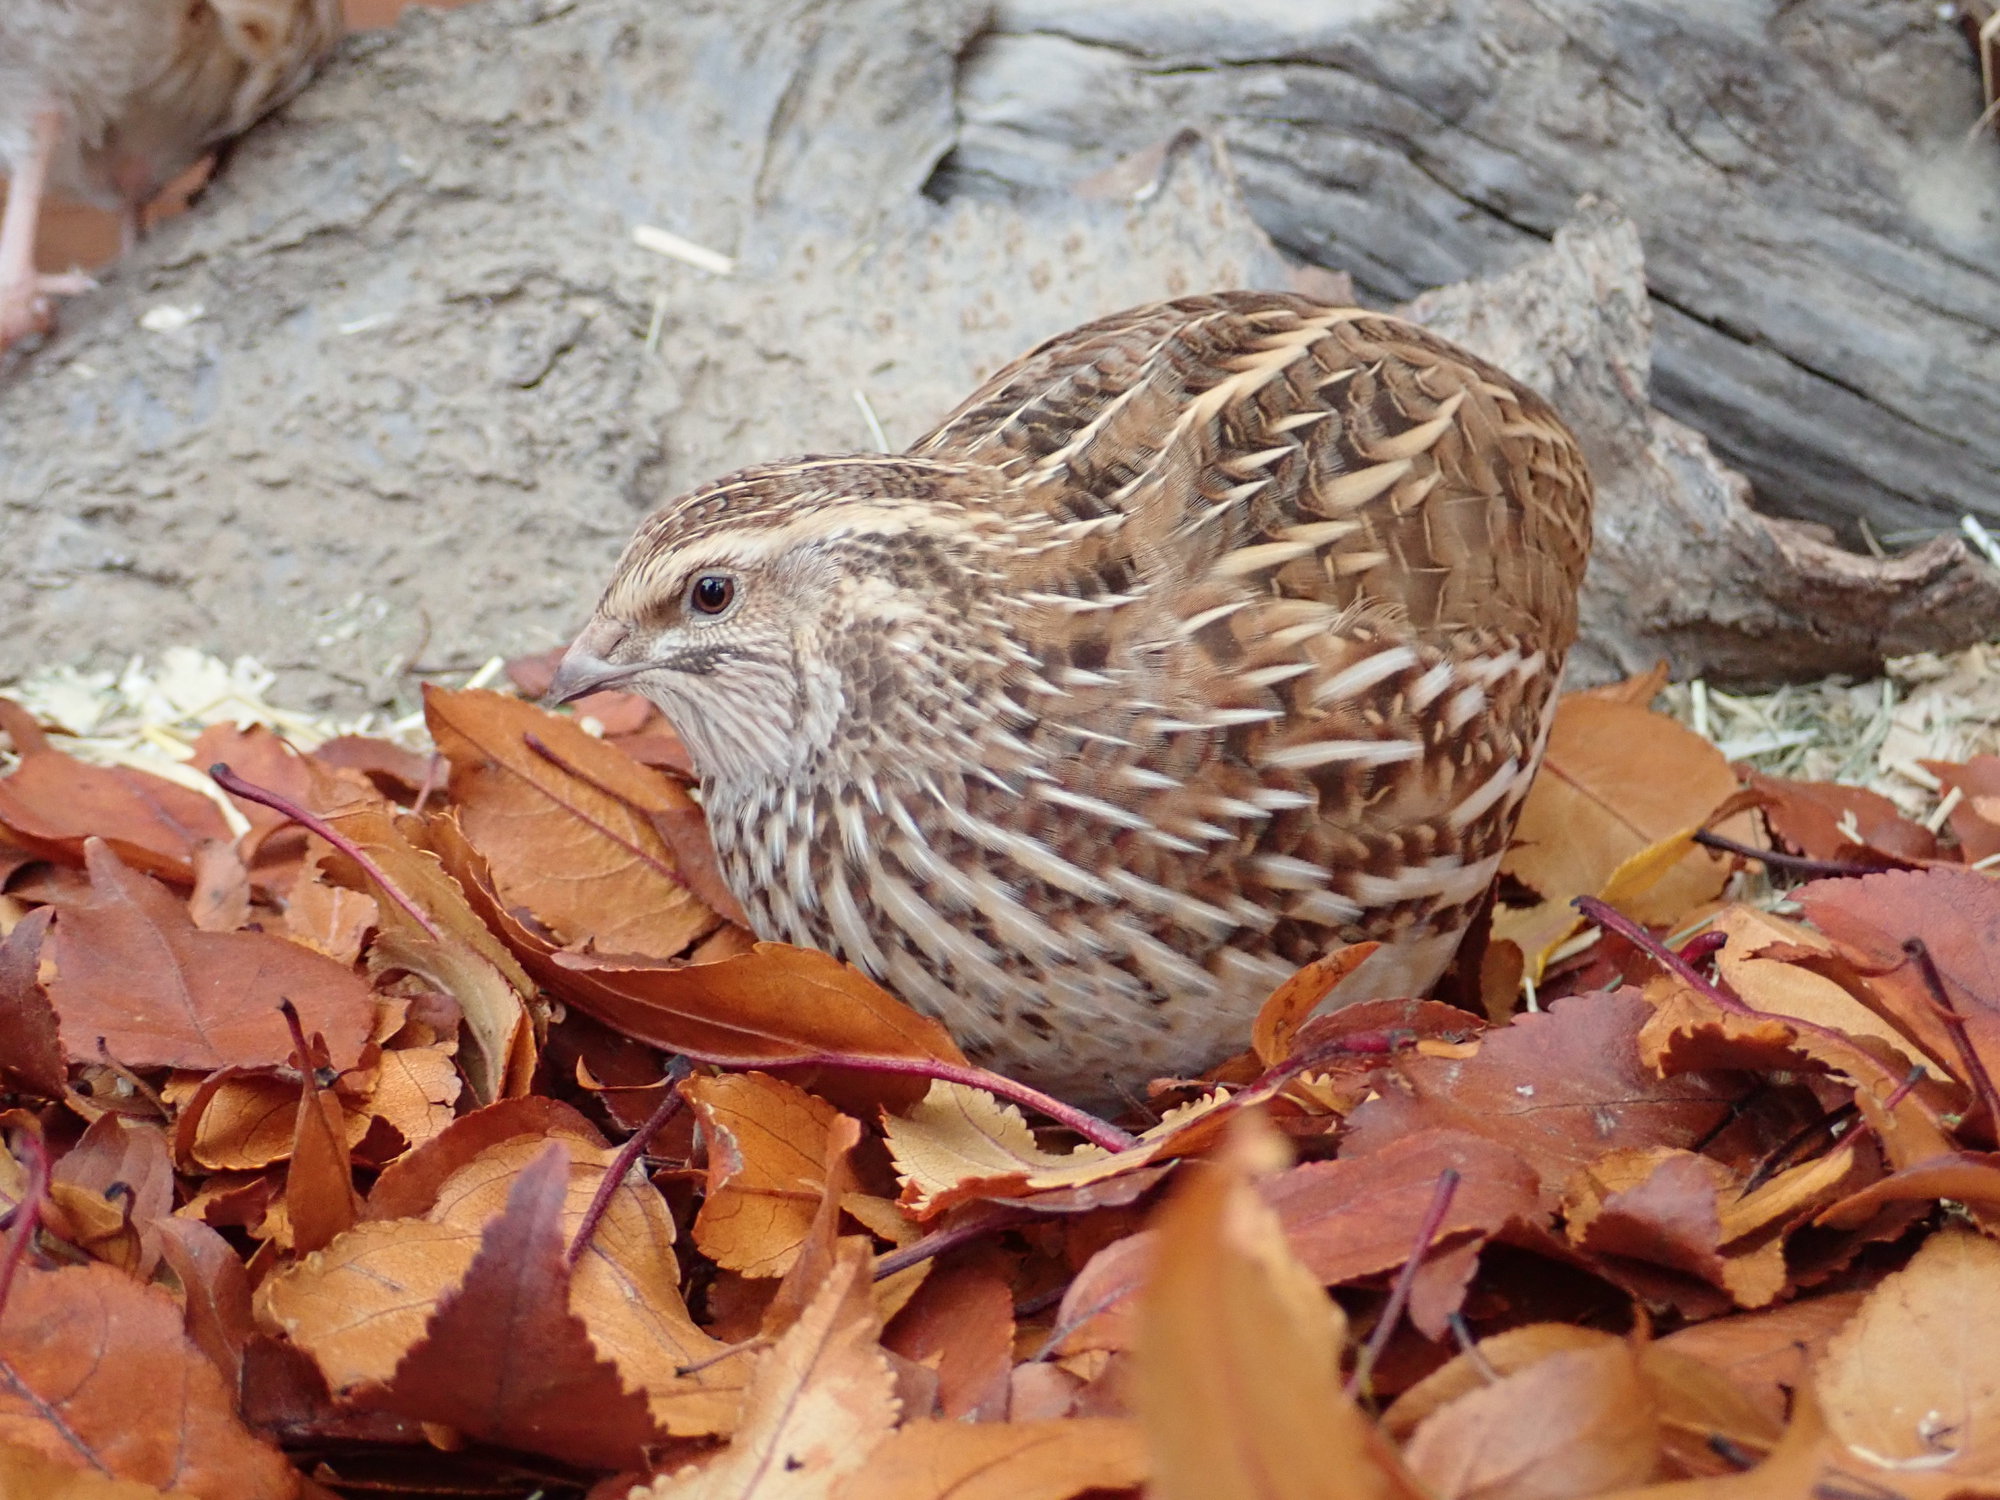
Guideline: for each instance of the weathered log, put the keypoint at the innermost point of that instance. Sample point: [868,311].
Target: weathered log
[1819,215]
[398,387]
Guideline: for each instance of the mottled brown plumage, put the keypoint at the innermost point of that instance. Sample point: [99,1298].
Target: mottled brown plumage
[107,101]
[1198,641]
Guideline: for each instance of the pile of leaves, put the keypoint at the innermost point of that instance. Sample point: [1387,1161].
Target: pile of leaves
[387,1123]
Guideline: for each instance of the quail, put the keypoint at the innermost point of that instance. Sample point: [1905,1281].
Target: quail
[107,101]
[1199,641]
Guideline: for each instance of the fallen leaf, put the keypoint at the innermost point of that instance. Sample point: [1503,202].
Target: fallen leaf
[1289,1006]
[766,1146]
[1238,1357]
[1572,1424]
[819,1402]
[1975,821]
[1561,1087]
[30,1041]
[132,969]
[961,1320]
[95,1368]
[1000,1461]
[27,1475]
[1616,779]
[564,823]
[505,1359]
[55,804]
[1913,1382]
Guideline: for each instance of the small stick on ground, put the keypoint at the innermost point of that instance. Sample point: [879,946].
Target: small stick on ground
[1613,920]
[627,1157]
[249,791]
[1406,1280]
[1954,1022]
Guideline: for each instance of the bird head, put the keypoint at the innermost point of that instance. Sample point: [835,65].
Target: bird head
[795,612]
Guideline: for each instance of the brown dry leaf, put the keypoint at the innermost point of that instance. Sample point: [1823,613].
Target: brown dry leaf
[53,804]
[1345,1220]
[357,1306]
[962,1143]
[1825,820]
[1970,1179]
[1293,1002]
[1690,1033]
[1663,1206]
[27,1475]
[94,1367]
[220,901]
[215,1293]
[30,1040]
[1236,1374]
[1561,1087]
[449,947]
[1957,915]
[766,1153]
[1001,1461]
[1698,1405]
[320,1201]
[239,1121]
[503,1358]
[961,1323]
[1976,819]
[1616,780]
[1575,1423]
[1913,1382]
[820,1400]
[565,824]
[113,1190]
[1766,1354]
[326,918]
[415,1089]
[131,968]
[1786,987]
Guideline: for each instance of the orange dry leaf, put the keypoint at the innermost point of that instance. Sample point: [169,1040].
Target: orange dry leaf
[359,1305]
[1913,1383]
[53,804]
[962,1143]
[1617,780]
[503,1357]
[27,1475]
[132,969]
[1832,822]
[565,823]
[1572,1424]
[820,1400]
[992,1461]
[961,1323]
[1279,1019]
[766,1155]
[30,1041]
[448,946]
[95,1371]
[1239,1355]
[1976,819]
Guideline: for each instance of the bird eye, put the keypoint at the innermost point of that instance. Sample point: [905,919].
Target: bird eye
[712,593]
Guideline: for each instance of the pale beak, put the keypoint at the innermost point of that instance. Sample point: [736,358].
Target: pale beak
[584,668]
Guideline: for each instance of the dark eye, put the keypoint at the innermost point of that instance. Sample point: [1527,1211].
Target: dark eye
[712,593]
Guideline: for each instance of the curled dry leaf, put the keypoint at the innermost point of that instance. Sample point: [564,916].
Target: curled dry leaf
[820,1400]
[566,825]
[1616,780]
[95,1372]
[436,936]
[766,1152]
[131,968]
